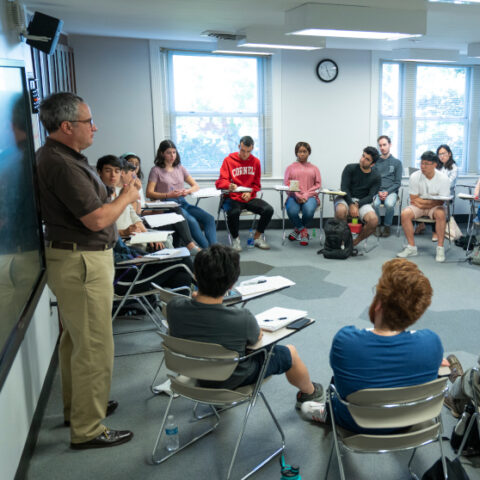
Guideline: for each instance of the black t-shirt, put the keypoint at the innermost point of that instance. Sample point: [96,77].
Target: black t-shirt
[70,189]
[358,184]
[233,328]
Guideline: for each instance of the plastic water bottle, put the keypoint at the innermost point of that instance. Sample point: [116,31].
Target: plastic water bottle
[250,240]
[171,432]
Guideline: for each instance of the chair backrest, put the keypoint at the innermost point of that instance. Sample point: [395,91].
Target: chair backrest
[397,407]
[199,360]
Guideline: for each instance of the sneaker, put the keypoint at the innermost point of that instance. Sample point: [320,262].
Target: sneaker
[408,251]
[318,395]
[449,402]
[440,257]
[386,232]
[314,411]
[194,251]
[295,235]
[261,243]
[236,245]
[304,237]
[455,368]
[378,231]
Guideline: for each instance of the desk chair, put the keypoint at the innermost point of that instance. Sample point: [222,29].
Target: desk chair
[244,213]
[476,415]
[414,410]
[192,361]
[447,225]
[140,288]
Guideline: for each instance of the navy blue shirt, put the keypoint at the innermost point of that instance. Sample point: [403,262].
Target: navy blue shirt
[362,359]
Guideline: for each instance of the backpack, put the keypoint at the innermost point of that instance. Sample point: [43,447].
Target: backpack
[472,445]
[338,240]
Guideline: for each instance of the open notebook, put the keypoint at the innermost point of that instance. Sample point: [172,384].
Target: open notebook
[277,317]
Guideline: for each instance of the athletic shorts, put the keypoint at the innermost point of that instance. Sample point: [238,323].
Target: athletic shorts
[423,212]
[362,211]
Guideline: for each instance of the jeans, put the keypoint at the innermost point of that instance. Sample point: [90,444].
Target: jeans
[389,203]
[256,205]
[198,220]
[307,209]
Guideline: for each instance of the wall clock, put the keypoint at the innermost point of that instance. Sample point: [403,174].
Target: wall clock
[327,70]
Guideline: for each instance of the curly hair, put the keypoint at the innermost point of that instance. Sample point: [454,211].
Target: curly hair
[404,293]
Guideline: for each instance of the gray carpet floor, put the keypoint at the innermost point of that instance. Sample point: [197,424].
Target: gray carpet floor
[335,293]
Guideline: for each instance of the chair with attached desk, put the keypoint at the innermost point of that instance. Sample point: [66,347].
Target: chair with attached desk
[191,361]
[244,213]
[134,283]
[415,411]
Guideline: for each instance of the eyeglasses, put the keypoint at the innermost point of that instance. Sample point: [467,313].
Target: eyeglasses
[88,120]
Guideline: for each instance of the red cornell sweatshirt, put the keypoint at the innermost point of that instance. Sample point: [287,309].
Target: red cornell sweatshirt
[243,173]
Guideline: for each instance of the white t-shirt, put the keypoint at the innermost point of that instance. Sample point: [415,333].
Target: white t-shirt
[438,185]
[128,216]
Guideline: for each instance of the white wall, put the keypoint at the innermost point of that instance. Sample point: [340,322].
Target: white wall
[21,390]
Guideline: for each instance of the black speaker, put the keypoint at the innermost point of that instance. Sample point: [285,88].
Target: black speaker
[44,26]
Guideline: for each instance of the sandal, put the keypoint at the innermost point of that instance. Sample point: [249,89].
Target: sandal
[455,368]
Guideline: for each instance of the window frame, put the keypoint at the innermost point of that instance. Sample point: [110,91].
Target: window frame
[408,119]
[263,145]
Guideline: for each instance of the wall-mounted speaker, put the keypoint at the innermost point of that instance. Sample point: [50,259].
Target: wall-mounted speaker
[45,26]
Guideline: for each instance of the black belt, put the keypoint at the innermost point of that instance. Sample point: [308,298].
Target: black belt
[72,246]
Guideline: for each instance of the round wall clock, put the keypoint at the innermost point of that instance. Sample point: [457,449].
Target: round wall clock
[327,70]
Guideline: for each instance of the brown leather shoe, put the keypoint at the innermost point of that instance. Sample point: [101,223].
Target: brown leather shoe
[109,438]
[386,232]
[111,407]
[455,368]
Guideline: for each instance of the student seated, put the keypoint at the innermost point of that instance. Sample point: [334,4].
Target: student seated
[242,169]
[134,159]
[305,201]
[204,319]
[114,173]
[387,355]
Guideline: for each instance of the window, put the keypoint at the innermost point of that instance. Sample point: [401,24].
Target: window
[213,101]
[424,106]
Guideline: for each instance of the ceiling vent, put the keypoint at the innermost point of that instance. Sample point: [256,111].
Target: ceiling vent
[221,35]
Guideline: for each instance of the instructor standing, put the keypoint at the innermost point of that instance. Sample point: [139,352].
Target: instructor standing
[79,234]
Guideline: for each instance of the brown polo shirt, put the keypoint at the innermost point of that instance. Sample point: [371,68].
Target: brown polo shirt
[70,189]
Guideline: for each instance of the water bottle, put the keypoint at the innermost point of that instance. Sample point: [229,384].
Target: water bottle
[250,240]
[171,432]
[462,423]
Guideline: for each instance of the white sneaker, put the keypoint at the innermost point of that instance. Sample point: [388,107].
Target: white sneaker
[408,251]
[236,245]
[314,411]
[261,243]
[440,257]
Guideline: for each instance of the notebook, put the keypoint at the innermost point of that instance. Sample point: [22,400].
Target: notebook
[277,317]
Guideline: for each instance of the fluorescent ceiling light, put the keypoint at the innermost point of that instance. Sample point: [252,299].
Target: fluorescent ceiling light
[271,45]
[230,46]
[473,50]
[272,37]
[464,2]
[240,52]
[429,55]
[354,34]
[355,21]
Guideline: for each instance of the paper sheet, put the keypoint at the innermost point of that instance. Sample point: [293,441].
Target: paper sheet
[207,193]
[162,204]
[163,219]
[149,237]
[260,285]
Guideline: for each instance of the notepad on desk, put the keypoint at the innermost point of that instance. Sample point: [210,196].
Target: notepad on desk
[159,204]
[163,219]
[150,237]
[261,285]
[277,317]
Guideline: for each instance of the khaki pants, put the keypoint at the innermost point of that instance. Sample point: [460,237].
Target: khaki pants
[83,284]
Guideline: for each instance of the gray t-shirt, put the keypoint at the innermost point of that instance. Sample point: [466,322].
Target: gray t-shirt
[233,328]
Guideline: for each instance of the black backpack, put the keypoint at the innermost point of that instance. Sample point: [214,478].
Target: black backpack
[338,240]
[472,445]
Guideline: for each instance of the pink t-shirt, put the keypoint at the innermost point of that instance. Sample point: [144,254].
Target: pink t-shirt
[308,177]
[168,181]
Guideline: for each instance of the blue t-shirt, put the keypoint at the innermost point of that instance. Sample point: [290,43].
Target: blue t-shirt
[362,359]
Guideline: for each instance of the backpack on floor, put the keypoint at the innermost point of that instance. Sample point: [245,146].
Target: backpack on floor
[472,445]
[338,240]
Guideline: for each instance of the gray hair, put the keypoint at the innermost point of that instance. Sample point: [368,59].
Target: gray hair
[58,108]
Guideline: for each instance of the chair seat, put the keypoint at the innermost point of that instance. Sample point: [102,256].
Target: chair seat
[416,435]
[425,220]
[189,388]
